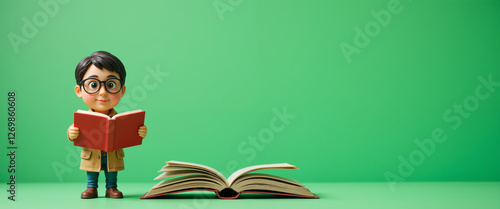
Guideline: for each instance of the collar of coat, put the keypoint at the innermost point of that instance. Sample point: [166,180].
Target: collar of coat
[111,113]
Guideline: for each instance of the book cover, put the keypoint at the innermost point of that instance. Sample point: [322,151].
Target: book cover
[99,131]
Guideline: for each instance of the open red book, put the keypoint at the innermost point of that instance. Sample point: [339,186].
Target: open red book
[191,176]
[99,131]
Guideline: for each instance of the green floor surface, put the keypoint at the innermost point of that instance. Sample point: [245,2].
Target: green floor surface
[332,195]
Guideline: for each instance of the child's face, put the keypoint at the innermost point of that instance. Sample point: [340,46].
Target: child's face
[102,101]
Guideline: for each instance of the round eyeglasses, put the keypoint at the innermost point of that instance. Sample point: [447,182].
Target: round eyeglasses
[93,85]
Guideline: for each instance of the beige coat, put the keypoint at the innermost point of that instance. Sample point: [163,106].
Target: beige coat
[91,158]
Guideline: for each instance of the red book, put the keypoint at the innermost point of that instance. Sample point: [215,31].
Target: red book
[183,177]
[99,131]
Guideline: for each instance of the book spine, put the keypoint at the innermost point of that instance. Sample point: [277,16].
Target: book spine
[227,197]
[110,139]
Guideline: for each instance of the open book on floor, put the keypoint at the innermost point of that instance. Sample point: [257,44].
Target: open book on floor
[182,177]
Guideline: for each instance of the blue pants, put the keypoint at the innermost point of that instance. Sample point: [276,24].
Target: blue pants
[93,177]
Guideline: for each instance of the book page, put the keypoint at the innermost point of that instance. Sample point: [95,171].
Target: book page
[127,113]
[182,172]
[186,183]
[247,177]
[258,167]
[93,113]
[194,165]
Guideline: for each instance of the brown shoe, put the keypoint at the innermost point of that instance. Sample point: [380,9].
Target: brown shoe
[113,193]
[89,193]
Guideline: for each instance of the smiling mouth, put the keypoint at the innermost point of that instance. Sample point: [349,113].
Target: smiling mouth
[102,101]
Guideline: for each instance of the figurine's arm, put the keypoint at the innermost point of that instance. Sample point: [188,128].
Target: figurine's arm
[143,130]
[73,132]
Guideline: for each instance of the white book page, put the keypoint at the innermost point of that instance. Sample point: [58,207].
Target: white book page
[93,113]
[194,165]
[258,167]
[127,113]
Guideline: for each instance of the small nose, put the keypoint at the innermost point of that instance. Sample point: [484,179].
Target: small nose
[102,91]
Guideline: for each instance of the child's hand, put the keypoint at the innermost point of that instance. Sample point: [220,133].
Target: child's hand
[73,132]
[143,130]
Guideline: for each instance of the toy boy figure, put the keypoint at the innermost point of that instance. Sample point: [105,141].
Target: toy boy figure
[100,80]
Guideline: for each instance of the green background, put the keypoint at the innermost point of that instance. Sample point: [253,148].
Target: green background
[224,74]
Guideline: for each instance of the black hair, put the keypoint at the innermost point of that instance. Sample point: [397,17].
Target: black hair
[100,59]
